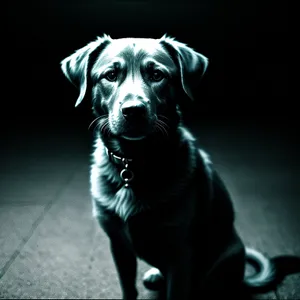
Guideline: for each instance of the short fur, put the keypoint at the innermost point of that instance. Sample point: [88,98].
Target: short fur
[176,214]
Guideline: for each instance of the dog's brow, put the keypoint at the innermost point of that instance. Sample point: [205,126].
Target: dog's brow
[108,61]
[105,63]
[164,62]
[161,56]
[116,64]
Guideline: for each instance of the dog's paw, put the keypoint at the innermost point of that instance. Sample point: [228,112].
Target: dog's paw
[153,279]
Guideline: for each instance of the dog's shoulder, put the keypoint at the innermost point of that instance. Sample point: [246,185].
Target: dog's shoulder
[201,154]
[201,164]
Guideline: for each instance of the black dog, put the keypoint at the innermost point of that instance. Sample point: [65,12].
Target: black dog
[155,194]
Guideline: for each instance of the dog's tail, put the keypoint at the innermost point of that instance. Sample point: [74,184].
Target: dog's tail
[269,272]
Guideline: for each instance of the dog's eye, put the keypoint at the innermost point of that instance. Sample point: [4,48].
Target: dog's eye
[111,75]
[157,75]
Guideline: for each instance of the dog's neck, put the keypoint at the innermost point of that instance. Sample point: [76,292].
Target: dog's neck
[156,165]
[143,160]
[142,152]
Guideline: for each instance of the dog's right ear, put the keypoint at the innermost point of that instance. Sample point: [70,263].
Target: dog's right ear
[75,66]
[192,64]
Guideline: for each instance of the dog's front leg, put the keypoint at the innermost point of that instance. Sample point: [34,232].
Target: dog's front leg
[125,261]
[123,255]
[179,276]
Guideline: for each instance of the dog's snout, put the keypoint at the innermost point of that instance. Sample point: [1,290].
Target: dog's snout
[133,109]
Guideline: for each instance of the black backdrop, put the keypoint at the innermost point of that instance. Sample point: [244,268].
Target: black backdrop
[246,42]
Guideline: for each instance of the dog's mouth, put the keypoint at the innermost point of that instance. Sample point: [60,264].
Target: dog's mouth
[133,130]
[133,138]
[114,128]
[134,133]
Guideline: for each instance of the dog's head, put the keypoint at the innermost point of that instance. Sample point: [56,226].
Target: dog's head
[135,83]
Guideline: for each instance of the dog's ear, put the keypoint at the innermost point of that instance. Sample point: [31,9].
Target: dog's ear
[75,66]
[192,64]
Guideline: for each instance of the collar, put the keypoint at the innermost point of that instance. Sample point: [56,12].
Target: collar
[118,160]
[126,174]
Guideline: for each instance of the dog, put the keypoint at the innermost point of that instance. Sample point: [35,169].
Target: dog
[154,192]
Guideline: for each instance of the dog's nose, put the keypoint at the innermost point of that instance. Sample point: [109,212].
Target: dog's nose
[133,109]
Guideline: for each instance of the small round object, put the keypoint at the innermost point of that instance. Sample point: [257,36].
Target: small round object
[153,280]
[126,174]
[126,185]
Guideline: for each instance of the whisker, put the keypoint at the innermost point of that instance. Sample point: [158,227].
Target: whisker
[162,116]
[163,123]
[157,129]
[97,119]
[162,128]
[106,129]
[93,122]
[102,126]
[100,123]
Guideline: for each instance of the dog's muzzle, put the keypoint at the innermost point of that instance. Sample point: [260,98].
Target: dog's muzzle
[134,111]
[136,119]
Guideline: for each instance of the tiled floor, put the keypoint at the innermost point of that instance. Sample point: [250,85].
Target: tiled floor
[50,247]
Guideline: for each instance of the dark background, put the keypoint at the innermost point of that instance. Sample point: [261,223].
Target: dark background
[246,42]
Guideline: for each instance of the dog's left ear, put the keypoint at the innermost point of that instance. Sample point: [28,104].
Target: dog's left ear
[192,64]
[75,66]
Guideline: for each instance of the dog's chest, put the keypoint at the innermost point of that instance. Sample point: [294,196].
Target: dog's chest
[153,234]
[111,193]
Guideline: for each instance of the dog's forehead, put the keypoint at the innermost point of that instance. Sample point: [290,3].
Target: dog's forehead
[136,49]
[136,44]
